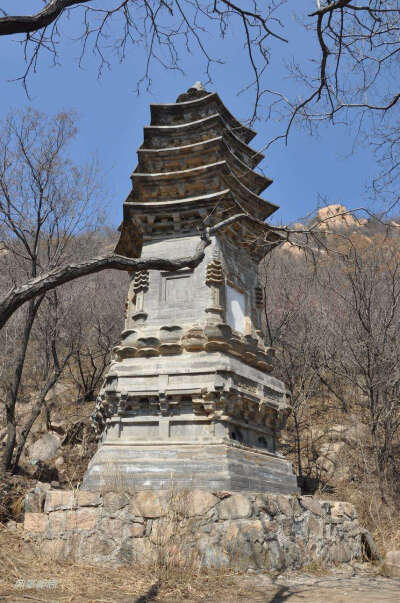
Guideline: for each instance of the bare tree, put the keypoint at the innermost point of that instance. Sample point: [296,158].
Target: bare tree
[356,44]
[98,317]
[348,76]
[51,345]
[291,304]
[361,346]
[335,324]
[44,200]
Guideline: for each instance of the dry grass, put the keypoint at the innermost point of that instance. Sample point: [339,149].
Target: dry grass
[380,517]
[75,583]
[173,539]
[171,572]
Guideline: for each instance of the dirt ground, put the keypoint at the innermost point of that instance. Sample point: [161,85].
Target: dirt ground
[340,585]
[25,575]
[105,585]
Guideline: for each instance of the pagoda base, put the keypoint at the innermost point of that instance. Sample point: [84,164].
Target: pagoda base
[216,466]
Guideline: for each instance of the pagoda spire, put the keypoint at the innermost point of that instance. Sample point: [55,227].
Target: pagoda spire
[195,162]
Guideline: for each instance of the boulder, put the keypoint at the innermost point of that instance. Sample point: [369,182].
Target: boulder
[45,448]
[353,434]
[391,564]
[330,459]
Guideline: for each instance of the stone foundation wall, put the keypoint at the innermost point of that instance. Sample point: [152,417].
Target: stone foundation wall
[221,529]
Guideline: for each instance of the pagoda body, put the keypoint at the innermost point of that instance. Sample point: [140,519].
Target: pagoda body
[188,400]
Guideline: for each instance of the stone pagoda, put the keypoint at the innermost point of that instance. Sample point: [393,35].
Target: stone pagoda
[188,400]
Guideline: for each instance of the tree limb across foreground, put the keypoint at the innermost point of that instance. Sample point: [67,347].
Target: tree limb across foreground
[12,24]
[19,295]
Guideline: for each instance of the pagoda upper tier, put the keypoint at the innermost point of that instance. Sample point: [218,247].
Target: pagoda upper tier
[195,164]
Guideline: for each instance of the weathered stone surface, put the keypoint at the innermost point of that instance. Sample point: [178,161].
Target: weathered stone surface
[45,448]
[242,540]
[34,499]
[57,522]
[53,549]
[84,498]
[59,499]
[150,504]
[391,564]
[284,505]
[114,501]
[81,519]
[163,531]
[234,507]
[35,522]
[274,504]
[340,510]
[59,462]
[311,504]
[200,502]
[138,530]
[233,530]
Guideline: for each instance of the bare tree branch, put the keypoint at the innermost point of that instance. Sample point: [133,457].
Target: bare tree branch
[17,296]
[28,23]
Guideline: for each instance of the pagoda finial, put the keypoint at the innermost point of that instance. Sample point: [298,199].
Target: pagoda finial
[197,86]
[197,90]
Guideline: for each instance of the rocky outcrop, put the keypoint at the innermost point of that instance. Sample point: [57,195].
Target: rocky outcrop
[337,217]
[222,528]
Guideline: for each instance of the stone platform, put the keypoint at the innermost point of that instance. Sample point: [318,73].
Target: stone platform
[222,529]
[199,420]
[217,466]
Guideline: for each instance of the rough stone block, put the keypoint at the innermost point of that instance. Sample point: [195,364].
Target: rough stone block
[340,553]
[81,519]
[235,507]
[200,502]
[59,499]
[96,548]
[313,505]
[34,499]
[268,503]
[163,532]
[274,504]
[284,505]
[84,498]
[391,565]
[57,522]
[115,501]
[111,528]
[45,448]
[142,550]
[150,504]
[137,530]
[242,540]
[342,509]
[316,528]
[35,522]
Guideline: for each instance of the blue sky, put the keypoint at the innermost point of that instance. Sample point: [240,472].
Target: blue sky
[112,115]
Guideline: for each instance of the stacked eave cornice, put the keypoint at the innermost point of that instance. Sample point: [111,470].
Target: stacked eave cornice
[226,141]
[167,114]
[195,156]
[217,178]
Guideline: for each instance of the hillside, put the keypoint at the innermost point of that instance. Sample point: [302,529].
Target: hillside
[334,323]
